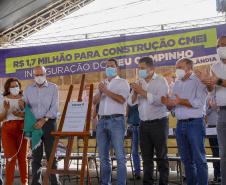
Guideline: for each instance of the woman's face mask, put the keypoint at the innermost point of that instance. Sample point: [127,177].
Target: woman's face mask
[14,91]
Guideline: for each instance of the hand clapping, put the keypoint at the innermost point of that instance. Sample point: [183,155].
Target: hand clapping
[167,101]
[137,87]
[102,87]
[6,105]
[205,78]
[16,112]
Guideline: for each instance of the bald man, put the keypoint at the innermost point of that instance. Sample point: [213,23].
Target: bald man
[42,97]
[188,98]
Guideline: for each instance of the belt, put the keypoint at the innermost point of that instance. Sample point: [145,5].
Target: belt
[48,119]
[135,124]
[189,120]
[154,120]
[111,116]
[211,126]
[222,107]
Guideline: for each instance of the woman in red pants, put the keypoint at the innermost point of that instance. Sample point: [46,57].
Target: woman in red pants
[14,144]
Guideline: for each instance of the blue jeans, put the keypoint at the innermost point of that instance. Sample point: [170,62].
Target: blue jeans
[135,149]
[190,138]
[112,131]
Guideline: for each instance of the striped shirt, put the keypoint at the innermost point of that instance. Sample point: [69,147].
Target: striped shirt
[42,101]
[194,91]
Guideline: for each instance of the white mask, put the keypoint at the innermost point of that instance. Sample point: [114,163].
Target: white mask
[221,51]
[40,79]
[14,91]
[180,73]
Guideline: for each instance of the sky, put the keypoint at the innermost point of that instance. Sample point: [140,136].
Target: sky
[109,15]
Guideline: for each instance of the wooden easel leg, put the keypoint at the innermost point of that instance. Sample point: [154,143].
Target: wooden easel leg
[88,172]
[84,161]
[51,160]
[68,153]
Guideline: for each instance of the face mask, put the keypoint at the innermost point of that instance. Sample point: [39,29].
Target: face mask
[14,91]
[143,73]
[40,79]
[110,71]
[221,51]
[180,73]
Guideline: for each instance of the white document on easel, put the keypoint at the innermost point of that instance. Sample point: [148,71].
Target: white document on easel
[75,117]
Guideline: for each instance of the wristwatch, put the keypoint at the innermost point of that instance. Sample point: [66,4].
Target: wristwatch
[220,81]
[46,118]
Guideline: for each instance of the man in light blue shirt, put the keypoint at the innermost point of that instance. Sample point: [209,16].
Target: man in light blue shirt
[189,99]
[42,97]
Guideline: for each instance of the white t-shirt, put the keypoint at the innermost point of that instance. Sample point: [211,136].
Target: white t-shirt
[13,106]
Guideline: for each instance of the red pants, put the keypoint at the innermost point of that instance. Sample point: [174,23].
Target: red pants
[11,141]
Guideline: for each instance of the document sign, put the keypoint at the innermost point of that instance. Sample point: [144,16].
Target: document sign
[75,117]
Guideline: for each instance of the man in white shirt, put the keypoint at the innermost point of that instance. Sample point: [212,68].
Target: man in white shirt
[154,124]
[216,85]
[112,95]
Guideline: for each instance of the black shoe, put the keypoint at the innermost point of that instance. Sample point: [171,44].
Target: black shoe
[136,177]
[218,179]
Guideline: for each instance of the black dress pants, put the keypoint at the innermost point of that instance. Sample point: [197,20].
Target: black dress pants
[153,136]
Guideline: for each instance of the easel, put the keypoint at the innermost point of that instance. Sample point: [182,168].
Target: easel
[71,136]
